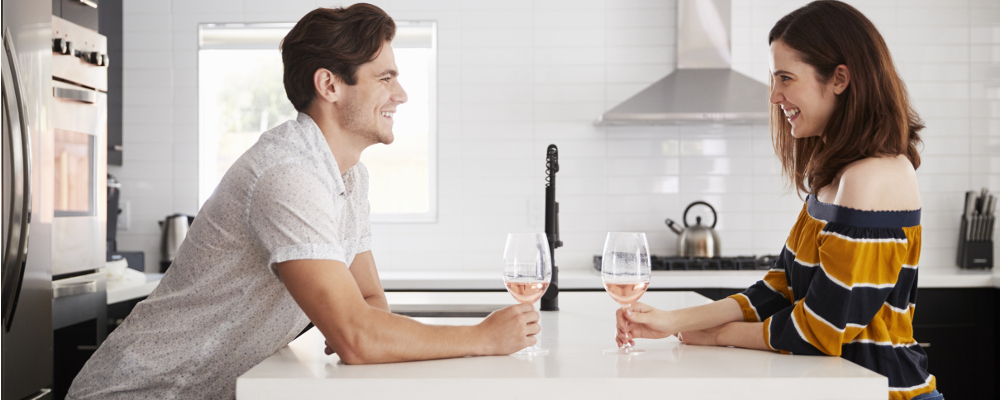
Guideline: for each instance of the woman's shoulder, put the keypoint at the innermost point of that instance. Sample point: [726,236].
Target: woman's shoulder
[879,184]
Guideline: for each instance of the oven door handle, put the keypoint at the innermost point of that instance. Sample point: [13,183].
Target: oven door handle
[73,289]
[85,96]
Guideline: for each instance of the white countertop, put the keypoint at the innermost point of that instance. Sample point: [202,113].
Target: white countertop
[574,368]
[586,279]
[132,288]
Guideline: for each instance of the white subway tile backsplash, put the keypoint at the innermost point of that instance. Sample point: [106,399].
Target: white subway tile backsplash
[151,152]
[568,37]
[716,165]
[641,17]
[569,17]
[715,184]
[571,56]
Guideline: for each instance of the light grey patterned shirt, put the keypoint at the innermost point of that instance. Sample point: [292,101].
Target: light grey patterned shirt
[220,308]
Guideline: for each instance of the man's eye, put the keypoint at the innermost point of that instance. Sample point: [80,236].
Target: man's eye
[387,79]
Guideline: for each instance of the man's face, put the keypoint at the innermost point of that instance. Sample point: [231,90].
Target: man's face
[368,106]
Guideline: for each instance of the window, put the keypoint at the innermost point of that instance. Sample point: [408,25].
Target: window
[241,95]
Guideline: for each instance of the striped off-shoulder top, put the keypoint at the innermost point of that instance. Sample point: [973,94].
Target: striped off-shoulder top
[845,284]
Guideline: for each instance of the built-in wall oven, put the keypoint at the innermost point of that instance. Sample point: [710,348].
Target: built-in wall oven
[78,160]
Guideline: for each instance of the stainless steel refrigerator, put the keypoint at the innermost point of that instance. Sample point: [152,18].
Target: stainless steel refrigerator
[27,200]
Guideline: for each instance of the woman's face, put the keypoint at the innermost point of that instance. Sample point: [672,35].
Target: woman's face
[806,101]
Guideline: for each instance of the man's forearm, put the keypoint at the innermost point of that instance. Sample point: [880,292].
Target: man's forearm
[748,335]
[392,338]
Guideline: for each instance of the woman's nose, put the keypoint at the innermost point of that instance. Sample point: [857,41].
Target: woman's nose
[776,96]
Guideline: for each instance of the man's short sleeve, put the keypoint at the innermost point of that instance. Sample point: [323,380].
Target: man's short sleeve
[295,213]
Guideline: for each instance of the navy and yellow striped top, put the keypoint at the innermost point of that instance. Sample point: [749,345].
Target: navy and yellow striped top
[845,284]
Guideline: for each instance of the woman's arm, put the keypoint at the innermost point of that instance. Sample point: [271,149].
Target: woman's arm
[748,335]
[645,321]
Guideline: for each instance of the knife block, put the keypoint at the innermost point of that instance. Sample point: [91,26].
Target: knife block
[974,254]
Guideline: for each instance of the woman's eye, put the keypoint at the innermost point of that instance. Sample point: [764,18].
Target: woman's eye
[785,78]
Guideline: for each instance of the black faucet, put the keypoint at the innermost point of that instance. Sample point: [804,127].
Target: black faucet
[550,300]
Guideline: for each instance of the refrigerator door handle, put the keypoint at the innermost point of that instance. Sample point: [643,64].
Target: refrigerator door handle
[13,264]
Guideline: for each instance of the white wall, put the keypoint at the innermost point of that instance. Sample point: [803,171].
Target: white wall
[516,75]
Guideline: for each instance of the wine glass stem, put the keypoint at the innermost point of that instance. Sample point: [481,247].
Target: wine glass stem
[625,309]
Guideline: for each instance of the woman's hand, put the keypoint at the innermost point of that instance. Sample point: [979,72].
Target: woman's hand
[643,321]
[703,337]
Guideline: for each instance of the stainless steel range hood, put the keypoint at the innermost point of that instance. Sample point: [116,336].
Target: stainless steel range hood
[703,88]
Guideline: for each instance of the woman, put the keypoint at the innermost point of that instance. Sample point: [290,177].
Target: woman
[845,282]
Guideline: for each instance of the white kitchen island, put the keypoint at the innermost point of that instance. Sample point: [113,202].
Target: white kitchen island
[575,366]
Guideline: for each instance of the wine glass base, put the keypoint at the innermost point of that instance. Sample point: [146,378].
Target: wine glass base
[532,351]
[624,350]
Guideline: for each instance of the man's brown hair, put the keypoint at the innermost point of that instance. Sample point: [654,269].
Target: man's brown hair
[871,118]
[338,39]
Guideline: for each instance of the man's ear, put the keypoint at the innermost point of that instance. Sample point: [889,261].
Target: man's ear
[841,78]
[328,86]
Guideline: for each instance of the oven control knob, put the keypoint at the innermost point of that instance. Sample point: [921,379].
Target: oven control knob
[62,46]
[105,60]
[93,57]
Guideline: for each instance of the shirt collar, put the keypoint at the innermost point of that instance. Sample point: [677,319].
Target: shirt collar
[318,143]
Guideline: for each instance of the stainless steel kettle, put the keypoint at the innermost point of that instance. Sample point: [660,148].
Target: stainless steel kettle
[698,240]
[172,231]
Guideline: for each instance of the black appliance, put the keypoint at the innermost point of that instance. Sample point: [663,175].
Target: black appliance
[675,263]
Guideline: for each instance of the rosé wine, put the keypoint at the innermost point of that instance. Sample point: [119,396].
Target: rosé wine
[527,292]
[626,293]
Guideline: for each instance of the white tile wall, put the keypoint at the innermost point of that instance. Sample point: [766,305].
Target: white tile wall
[515,76]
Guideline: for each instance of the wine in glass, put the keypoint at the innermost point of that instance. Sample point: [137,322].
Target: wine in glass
[527,270]
[625,272]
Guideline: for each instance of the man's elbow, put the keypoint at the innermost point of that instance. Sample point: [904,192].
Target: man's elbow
[355,348]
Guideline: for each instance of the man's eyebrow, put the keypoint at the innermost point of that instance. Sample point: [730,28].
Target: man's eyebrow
[391,72]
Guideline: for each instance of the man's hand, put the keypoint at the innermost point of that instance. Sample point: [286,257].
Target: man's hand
[509,329]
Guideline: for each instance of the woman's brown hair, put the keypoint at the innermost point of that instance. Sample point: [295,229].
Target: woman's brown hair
[338,39]
[872,117]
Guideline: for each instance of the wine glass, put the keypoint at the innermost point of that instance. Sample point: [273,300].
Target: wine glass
[625,272]
[527,270]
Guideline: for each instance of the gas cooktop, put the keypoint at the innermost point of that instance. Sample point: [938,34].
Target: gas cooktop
[676,263]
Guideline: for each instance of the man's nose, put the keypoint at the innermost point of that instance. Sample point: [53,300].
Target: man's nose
[398,94]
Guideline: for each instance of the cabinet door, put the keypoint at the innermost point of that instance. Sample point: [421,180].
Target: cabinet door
[949,361]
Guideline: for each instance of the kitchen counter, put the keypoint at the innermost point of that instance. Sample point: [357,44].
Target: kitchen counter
[132,288]
[583,279]
[575,366]
[590,279]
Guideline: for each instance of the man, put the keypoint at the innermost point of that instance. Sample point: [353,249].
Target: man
[270,249]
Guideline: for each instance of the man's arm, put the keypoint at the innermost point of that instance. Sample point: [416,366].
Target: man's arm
[361,334]
[366,276]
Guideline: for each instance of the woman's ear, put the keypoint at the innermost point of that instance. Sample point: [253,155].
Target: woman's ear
[841,78]
[327,85]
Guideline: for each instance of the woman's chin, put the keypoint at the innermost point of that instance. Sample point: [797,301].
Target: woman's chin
[800,133]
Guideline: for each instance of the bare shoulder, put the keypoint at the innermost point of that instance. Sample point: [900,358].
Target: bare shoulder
[879,184]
